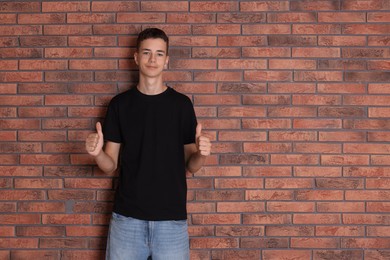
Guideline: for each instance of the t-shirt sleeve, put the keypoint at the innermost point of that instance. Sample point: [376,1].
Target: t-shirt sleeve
[189,123]
[111,126]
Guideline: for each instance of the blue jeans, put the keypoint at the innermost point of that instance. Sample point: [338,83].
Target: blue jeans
[134,239]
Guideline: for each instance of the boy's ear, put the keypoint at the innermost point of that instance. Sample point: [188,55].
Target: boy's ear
[136,57]
[166,63]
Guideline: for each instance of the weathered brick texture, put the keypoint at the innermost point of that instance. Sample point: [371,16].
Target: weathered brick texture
[294,94]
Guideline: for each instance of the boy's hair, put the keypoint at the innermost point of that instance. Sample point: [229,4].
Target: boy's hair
[152,33]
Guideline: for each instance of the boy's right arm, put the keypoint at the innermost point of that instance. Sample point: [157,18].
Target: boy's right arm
[106,159]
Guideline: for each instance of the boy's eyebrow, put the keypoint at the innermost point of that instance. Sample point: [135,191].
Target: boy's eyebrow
[145,49]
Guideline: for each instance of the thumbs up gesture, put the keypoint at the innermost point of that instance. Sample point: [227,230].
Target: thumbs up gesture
[94,141]
[203,143]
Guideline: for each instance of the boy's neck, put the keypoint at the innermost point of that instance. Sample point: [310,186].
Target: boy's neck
[151,86]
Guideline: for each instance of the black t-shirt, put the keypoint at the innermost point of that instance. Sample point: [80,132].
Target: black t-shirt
[152,130]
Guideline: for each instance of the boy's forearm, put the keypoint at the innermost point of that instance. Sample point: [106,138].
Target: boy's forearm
[195,162]
[105,162]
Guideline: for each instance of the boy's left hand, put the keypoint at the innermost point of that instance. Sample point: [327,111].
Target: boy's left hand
[203,144]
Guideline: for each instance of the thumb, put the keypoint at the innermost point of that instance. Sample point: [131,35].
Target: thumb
[198,130]
[99,129]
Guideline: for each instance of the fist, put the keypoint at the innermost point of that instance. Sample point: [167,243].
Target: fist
[94,141]
[203,143]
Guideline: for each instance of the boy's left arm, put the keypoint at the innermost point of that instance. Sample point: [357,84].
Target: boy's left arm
[195,154]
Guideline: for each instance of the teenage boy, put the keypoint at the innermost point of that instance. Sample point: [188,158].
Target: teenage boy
[154,131]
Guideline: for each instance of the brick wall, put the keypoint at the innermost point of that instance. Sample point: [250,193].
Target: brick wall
[294,94]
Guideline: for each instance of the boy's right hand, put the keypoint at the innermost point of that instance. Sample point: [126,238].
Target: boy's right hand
[94,142]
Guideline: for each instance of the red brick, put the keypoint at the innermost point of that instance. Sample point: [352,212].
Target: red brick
[318,5]
[140,18]
[292,64]
[220,6]
[268,75]
[266,219]
[376,254]
[267,148]
[341,40]
[294,17]
[378,41]
[20,30]
[216,52]
[266,29]
[20,219]
[292,112]
[42,111]
[265,52]
[366,195]
[287,231]
[345,88]
[241,18]
[68,29]
[35,254]
[21,76]
[341,112]
[255,171]
[38,183]
[20,171]
[88,183]
[84,231]
[290,207]
[115,29]
[43,65]
[294,159]
[319,195]
[43,231]
[256,243]
[8,112]
[44,159]
[340,207]
[365,5]
[338,254]
[6,232]
[284,183]
[316,29]
[268,195]
[314,242]
[378,65]
[201,208]
[292,136]
[20,243]
[317,52]
[41,18]
[366,29]
[164,6]
[41,207]
[8,18]
[22,195]
[213,243]
[88,18]
[342,17]
[65,6]
[236,254]
[377,124]
[114,6]
[307,171]
[265,123]
[63,243]
[344,159]
[286,254]
[317,123]
[379,231]
[365,243]
[367,171]
[266,100]
[9,42]
[9,159]
[219,195]
[8,65]
[88,41]
[242,40]
[93,64]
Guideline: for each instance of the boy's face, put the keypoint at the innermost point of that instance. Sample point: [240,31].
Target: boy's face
[152,57]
